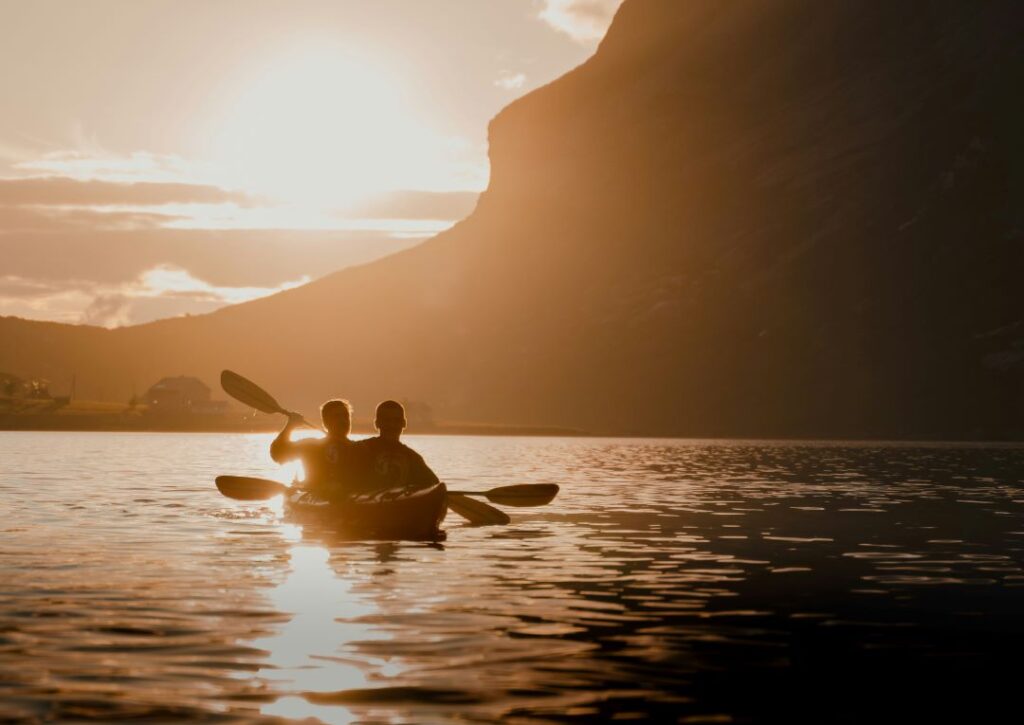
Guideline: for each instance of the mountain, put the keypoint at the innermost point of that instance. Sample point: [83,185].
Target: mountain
[752,219]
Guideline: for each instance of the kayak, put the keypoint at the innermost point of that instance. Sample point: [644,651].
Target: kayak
[400,513]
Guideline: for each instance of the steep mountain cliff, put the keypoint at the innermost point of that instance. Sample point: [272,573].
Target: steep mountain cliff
[744,218]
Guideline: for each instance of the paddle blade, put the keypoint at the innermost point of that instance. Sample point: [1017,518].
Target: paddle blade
[248,393]
[476,512]
[246,488]
[526,494]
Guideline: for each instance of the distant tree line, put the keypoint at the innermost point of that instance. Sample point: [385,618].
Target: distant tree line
[15,387]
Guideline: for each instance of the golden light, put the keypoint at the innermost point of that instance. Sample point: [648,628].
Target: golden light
[320,128]
[307,654]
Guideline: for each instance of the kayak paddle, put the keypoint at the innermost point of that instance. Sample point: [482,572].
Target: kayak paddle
[249,393]
[476,512]
[249,488]
[524,494]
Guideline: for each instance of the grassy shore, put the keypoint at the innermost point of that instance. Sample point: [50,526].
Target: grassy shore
[61,414]
[84,415]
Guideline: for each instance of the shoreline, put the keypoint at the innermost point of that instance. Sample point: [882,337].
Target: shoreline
[89,424]
[147,424]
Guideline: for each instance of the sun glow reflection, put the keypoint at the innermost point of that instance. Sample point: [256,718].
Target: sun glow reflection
[307,653]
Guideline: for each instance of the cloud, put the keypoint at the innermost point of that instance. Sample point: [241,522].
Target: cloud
[583,20]
[63,190]
[296,217]
[226,217]
[166,280]
[38,218]
[53,203]
[510,81]
[114,240]
[91,187]
[162,291]
[12,285]
[107,311]
[140,166]
[42,300]
[50,203]
[73,257]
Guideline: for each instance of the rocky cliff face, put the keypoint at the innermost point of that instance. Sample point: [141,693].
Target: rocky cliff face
[787,218]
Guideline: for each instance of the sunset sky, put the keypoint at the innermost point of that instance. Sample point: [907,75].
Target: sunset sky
[162,157]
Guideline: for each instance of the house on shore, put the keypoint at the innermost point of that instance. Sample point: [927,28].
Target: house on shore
[11,386]
[183,394]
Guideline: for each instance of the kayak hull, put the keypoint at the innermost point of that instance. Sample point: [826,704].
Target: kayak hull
[394,513]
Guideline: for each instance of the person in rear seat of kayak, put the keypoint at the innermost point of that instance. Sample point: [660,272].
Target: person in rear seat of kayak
[386,462]
[326,461]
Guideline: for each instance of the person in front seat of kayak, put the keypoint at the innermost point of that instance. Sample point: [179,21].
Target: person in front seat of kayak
[386,462]
[325,460]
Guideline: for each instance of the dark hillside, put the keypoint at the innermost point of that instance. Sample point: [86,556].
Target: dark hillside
[745,218]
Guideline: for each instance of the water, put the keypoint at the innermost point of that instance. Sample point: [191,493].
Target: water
[675,581]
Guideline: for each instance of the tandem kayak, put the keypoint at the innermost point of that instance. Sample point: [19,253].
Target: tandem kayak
[400,513]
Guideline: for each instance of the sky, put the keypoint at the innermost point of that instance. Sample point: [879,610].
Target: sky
[168,157]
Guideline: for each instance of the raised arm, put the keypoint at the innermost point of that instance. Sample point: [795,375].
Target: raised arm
[282,449]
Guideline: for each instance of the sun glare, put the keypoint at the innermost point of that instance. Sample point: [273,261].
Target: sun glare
[320,128]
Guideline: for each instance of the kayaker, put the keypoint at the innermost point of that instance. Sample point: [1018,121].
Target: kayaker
[326,461]
[386,462]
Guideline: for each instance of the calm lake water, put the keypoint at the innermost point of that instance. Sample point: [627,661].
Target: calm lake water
[676,581]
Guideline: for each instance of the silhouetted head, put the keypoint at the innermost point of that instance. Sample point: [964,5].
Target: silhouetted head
[390,419]
[337,417]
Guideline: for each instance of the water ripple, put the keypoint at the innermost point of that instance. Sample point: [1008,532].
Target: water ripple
[667,577]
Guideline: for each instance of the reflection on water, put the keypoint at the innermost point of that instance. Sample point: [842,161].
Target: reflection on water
[671,580]
[303,652]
